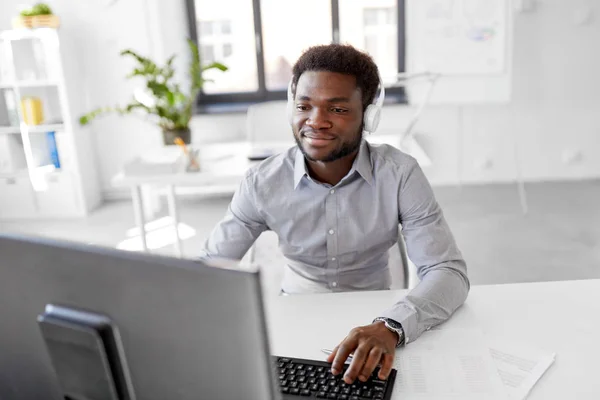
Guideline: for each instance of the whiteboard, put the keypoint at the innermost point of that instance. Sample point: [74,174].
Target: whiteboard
[458,37]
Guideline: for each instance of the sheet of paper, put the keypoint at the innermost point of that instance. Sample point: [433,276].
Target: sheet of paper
[448,363]
[519,366]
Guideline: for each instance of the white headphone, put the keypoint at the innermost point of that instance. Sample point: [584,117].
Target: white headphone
[371,116]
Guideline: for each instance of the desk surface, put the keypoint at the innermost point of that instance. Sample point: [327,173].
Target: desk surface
[562,317]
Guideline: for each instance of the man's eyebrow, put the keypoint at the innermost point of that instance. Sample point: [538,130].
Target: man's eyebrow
[331,100]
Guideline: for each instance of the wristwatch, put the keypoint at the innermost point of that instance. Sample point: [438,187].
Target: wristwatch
[393,326]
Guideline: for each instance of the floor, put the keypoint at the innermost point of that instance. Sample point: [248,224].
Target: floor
[559,238]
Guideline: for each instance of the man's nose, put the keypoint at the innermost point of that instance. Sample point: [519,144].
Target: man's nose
[318,119]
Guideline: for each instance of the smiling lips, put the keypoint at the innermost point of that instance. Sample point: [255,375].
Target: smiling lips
[317,140]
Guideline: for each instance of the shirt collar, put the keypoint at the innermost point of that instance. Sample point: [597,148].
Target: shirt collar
[362,165]
[299,167]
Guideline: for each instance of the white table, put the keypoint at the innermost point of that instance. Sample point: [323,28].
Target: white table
[222,169]
[223,166]
[563,317]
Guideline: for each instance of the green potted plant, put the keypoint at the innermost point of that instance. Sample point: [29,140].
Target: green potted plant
[163,100]
[38,16]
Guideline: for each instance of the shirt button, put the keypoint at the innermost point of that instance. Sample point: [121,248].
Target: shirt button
[332,258]
[331,231]
[332,191]
[334,284]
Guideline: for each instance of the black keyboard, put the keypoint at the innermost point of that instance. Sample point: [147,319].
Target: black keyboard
[313,379]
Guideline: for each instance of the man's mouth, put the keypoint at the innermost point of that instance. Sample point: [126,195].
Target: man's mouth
[317,140]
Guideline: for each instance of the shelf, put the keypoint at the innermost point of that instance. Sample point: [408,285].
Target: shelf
[37,83]
[7,130]
[29,84]
[25,33]
[17,174]
[45,128]
[46,171]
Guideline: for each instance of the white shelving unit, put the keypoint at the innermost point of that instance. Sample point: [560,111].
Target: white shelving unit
[43,175]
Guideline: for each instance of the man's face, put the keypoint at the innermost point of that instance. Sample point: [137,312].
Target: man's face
[327,117]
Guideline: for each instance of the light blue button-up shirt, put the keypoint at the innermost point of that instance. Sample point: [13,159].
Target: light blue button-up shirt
[336,238]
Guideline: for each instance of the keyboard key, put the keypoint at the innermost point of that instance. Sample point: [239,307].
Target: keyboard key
[295,391]
[303,385]
[305,392]
[332,396]
[342,397]
[284,383]
[285,390]
[322,395]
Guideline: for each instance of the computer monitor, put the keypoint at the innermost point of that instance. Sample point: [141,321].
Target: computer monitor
[188,330]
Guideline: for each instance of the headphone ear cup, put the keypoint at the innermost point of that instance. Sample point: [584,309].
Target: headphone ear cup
[371,118]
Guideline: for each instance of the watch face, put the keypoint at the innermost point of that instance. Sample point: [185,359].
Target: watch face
[394,324]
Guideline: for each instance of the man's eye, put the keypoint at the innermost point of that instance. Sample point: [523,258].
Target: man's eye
[339,110]
[301,107]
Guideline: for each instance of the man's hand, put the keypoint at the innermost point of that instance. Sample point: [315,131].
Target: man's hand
[372,345]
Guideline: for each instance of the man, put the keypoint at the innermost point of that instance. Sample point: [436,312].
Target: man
[336,201]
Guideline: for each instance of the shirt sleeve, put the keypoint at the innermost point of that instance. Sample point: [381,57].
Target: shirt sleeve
[442,271]
[241,226]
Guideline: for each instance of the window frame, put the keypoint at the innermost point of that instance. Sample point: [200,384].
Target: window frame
[239,101]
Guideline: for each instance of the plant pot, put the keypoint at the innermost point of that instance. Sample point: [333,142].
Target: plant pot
[36,21]
[169,136]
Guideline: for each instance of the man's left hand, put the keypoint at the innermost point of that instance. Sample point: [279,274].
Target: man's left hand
[372,345]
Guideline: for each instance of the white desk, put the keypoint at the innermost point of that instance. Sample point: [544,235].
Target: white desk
[222,167]
[563,317]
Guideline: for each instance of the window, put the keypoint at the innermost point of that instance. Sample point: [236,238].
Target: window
[284,38]
[374,30]
[261,40]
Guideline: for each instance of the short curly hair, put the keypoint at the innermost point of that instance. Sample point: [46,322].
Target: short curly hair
[344,59]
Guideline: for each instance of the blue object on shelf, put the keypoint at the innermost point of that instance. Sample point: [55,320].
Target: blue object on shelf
[51,140]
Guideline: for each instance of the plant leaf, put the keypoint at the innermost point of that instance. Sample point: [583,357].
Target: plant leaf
[214,65]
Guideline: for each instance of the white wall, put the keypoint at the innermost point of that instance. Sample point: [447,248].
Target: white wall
[551,126]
